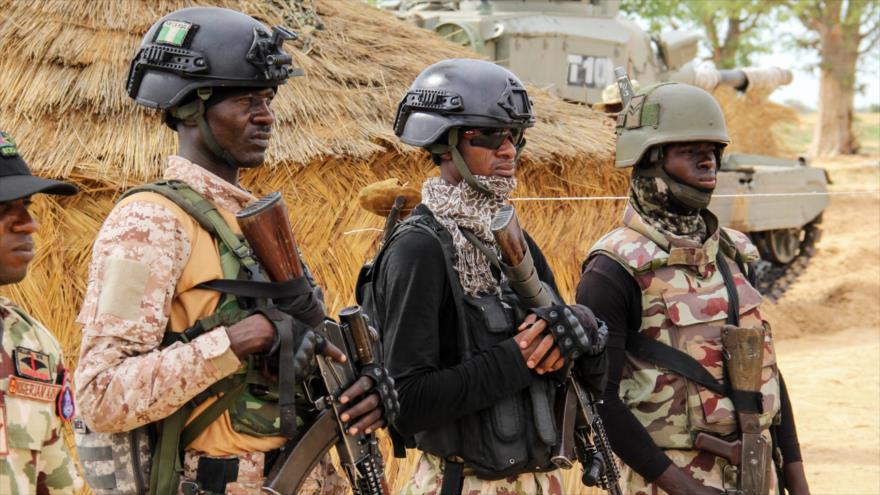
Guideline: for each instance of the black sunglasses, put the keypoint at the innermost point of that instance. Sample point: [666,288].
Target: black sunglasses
[493,138]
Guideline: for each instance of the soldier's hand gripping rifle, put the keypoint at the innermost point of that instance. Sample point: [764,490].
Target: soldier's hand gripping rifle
[266,226]
[580,419]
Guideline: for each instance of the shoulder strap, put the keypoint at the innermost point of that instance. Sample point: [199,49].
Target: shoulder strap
[737,255]
[482,247]
[206,214]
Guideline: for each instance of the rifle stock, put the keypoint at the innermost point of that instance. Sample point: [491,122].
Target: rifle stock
[266,227]
[519,268]
[744,357]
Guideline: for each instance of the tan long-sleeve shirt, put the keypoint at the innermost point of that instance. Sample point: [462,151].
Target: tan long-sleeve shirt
[148,257]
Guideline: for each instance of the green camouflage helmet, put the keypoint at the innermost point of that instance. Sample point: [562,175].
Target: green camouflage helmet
[667,113]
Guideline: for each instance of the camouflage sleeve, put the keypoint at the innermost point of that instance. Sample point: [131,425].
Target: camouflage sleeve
[123,380]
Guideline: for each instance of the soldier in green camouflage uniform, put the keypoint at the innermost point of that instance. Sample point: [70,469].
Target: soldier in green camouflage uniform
[658,284]
[35,393]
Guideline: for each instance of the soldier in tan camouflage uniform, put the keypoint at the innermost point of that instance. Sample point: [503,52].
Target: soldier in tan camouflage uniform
[154,340]
[35,390]
[658,284]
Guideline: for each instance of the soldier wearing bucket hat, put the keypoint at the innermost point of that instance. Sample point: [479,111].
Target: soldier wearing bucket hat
[677,293]
[35,391]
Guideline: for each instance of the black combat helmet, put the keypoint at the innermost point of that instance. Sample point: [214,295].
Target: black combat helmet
[456,94]
[190,51]
[203,47]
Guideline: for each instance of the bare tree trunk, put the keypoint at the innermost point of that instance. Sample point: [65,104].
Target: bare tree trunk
[833,134]
[838,24]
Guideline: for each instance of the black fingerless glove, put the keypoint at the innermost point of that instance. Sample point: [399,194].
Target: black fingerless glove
[575,330]
[385,388]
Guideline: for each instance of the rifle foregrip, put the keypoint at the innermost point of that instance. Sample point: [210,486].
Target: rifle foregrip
[353,318]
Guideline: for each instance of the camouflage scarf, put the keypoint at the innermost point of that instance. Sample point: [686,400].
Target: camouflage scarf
[651,199]
[461,206]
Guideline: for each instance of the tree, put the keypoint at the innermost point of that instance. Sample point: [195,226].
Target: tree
[731,27]
[842,31]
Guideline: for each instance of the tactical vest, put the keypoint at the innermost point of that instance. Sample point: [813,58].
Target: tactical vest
[500,441]
[251,399]
[684,305]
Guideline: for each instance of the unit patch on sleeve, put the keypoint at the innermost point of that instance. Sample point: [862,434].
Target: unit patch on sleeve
[45,392]
[66,407]
[33,365]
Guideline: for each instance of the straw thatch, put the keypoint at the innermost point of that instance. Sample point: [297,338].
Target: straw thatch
[62,96]
[751,119]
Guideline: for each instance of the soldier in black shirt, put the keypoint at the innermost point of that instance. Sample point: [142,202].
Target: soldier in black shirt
[476,376]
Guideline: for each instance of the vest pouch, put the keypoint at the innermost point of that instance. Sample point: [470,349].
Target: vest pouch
[493,323]
[490,320]
[115,463]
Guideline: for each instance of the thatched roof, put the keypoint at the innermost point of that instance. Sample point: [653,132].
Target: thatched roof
[63,77]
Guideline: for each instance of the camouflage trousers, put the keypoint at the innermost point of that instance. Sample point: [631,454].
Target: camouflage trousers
[428,479]
[323,480]
[702,466]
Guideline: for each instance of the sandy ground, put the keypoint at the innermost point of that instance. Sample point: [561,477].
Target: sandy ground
[828,338]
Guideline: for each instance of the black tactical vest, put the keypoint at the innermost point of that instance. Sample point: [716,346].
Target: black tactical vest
[498,441]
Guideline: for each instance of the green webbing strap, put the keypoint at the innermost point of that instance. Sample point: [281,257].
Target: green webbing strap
[195,205]
[195,110]
[458,160]
[166,467]
[215,410]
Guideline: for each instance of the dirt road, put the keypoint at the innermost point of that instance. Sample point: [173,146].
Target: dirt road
[828,339]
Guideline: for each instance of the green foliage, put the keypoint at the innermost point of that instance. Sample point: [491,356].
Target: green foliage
[732,28]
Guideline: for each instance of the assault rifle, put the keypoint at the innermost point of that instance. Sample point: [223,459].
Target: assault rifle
[266,226]
[582,433]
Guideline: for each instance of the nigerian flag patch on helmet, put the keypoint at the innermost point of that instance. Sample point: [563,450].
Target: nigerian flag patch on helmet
[173,33]
[7,145]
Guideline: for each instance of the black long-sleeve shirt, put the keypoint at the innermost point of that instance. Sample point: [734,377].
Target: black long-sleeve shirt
[419,326]
[614,296]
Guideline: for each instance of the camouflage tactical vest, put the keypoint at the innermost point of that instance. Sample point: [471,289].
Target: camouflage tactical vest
[684,305]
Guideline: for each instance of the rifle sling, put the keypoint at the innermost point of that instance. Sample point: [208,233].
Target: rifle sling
[289,472]
[260,290]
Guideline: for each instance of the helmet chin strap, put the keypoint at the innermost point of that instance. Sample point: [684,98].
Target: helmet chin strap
[688,196]
[458,160]
[195,110]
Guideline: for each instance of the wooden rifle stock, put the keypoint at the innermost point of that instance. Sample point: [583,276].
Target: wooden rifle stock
[266,227]
[743,359]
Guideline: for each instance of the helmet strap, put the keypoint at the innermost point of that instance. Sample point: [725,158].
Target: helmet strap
[687,196]
[458,160]
[195,110]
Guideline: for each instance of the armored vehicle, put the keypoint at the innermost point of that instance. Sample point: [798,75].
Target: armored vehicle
[571,48]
